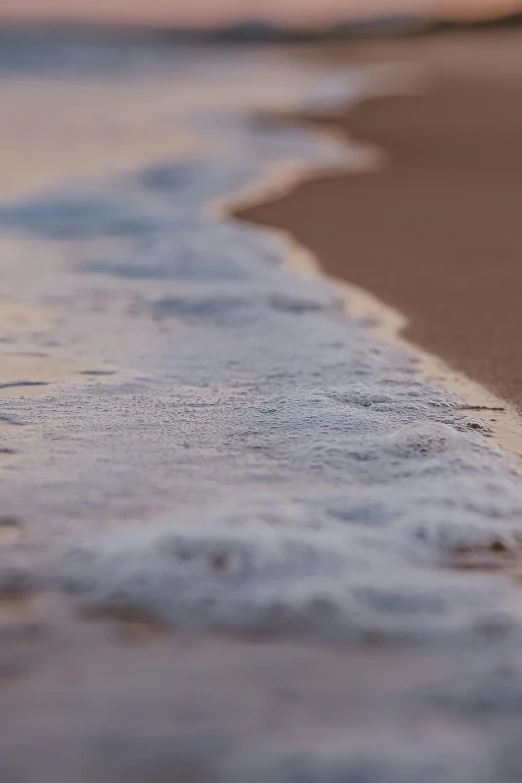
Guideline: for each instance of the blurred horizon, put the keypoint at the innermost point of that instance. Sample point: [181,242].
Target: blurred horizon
[293,13]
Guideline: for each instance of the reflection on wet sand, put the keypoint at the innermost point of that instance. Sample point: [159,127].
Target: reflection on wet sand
[81,132]
[30,374]
[24,318]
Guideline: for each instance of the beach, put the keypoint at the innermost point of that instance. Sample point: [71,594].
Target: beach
[242,537]
[434,231]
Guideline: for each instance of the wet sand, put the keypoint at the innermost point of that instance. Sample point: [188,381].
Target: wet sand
[102,130]
[259,548]
[435,232]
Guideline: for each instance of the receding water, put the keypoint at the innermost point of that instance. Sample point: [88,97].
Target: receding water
[262,502]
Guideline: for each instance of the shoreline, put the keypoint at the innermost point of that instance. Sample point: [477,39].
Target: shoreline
[271,203]
[386,323]
[243,510]
[502,418]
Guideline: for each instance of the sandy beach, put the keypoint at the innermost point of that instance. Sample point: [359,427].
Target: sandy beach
[435,231]
[241,539]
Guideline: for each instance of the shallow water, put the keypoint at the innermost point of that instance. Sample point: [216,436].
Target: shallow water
[243,541]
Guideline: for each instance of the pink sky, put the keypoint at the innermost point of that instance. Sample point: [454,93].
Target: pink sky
[194,11]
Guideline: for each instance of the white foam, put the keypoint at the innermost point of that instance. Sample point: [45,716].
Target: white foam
[284,472]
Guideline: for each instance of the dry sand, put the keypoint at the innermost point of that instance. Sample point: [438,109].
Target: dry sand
[435,232]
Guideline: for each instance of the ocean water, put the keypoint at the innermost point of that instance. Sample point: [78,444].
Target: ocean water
[243,542]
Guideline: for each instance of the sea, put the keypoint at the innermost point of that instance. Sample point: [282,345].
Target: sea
[229,515]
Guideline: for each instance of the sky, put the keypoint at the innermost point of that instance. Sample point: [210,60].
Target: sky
[216,11]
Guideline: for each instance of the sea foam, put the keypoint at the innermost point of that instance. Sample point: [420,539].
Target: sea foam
[255,469]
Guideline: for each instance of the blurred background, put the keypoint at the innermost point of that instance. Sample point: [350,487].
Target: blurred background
[297,13]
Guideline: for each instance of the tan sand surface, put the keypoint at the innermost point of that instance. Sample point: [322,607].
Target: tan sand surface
[435,232]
